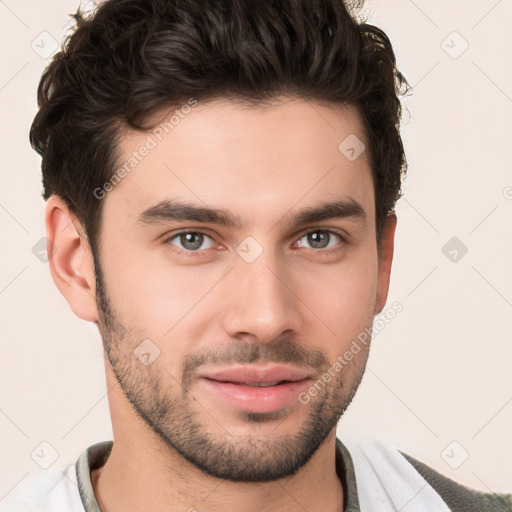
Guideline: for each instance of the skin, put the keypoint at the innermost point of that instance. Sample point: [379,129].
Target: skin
[293,303]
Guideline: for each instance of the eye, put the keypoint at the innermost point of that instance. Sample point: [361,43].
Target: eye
[194,242]
[190,240]
[320,239]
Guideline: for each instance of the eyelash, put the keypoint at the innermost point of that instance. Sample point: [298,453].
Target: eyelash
[192,254]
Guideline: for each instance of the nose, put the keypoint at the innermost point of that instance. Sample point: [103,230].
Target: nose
[261,304]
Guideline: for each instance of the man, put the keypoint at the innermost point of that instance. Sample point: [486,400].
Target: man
[220,181]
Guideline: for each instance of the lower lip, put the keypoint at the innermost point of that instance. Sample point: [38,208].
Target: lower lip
[257,399]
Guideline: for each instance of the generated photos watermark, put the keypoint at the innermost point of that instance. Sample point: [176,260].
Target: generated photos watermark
[151,142]
[363,338]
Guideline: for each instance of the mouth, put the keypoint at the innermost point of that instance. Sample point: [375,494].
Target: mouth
[257,389]
[258,375]
[256,384]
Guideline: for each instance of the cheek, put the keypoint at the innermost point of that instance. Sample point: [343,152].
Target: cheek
[154,293]
[174,306]
[163,304]
[343,297]
[172,293]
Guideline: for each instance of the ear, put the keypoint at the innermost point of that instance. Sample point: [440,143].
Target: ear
[70,259]
[385,260]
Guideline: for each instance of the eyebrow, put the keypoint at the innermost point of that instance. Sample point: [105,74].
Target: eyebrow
[176,210]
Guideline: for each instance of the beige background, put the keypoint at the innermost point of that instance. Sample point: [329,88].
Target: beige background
[439,373]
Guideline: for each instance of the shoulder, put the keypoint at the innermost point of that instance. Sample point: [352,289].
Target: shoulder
[56,489]
[386,476]
[459,497]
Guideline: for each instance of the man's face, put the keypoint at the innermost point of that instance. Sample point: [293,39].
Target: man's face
[201,319]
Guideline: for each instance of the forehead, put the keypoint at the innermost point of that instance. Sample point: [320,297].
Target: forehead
[259,161]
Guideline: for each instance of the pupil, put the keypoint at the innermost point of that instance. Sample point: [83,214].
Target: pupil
[188,243]
[318,236]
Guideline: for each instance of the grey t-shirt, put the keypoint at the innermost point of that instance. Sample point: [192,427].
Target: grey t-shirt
[457,497]
[376,477]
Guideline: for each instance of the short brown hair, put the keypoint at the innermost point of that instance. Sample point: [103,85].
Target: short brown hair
[131,58]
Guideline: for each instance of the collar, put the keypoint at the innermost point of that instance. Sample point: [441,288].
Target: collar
[96,455]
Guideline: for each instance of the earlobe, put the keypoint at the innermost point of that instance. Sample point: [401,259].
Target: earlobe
[385,261]
[70,259]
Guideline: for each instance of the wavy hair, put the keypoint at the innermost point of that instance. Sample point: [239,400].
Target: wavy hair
[131,58]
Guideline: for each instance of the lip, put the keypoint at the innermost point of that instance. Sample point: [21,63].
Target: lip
[258,374]
[233,386]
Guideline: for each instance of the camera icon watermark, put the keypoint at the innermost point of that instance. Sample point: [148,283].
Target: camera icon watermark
[146,352]
[40,249]
[45,45]
[44,455]
[454,45]
[249,249]
[454,249]
[352,147]
[455,455]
